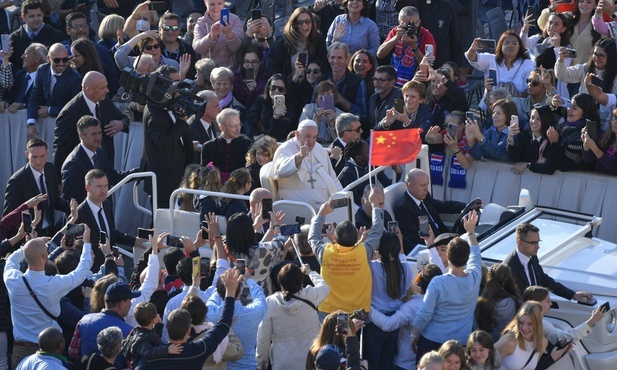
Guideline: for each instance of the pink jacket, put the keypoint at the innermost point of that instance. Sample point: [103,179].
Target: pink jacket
[221,50]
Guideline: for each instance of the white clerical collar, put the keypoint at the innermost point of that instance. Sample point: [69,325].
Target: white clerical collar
[418,201]
[226,139]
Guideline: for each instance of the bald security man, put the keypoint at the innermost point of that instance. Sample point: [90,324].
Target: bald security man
[94,101]
[27,317]
[49,355]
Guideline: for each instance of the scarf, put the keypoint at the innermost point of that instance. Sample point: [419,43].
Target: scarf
[226,100]
[218,353]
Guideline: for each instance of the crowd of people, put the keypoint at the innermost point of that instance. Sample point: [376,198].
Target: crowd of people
[224,106]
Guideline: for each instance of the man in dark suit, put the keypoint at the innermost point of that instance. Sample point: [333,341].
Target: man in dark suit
[228,151]
[97,212]
[418,202]
[37,177]
[77,27]
[93,101]
[168,148]
[86,156]
[19,94]
[348,128]
[204,129]
[56,83]
[34,30]
[523,262]
[363,214]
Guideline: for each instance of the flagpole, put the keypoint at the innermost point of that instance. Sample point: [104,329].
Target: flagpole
[370,156]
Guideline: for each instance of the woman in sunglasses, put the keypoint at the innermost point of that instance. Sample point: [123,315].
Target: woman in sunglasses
[273,113]
[250,80]
[299,85]
[148,43]
[300,39]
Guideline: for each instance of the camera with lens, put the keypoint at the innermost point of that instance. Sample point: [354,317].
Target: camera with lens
[411,30]
[176,96]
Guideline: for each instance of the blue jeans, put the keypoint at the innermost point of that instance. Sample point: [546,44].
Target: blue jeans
[379,347]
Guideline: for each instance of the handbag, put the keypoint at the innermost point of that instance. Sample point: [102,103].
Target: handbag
[36,299]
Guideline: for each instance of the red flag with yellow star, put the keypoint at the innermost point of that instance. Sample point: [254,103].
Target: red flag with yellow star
[395,147]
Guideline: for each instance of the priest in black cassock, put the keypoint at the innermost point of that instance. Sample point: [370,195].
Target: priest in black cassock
[227,152]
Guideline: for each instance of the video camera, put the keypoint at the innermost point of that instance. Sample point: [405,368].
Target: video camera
[175,96]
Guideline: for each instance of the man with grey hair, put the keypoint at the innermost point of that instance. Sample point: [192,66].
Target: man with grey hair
[348,127]
[203,70]
[352,92]
[222,80]
[109,343]
[303,170]
[407,48]
[19,92]
[203,128]
[227,151]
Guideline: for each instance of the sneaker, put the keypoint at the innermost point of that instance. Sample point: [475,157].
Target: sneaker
[462,83]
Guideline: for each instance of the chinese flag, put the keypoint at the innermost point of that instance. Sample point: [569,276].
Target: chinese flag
[395,147]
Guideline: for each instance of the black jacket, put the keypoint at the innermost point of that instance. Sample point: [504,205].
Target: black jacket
[20,41]
[142,343]
[527,150]
[260,120]
[279,59]
[542,279]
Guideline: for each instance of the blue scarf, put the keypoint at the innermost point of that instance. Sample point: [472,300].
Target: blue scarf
[457,172]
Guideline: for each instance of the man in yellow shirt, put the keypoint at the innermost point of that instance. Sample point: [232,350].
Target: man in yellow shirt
[345,263]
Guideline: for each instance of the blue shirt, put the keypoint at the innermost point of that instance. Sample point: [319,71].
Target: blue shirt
[42,361]
[494,145]
[365,34]
[380,300]
[450,302]
[28,318]
[246,321]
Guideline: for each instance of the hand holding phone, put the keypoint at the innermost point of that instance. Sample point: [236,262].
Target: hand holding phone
[266,208]
[342,323]
[241,266]
[279,105]
[399,106]
[224,17]
[339,203]
[26,219]
[423,227]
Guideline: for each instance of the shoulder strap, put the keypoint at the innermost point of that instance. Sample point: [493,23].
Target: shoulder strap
[305,301]
[36,299]
[529,359]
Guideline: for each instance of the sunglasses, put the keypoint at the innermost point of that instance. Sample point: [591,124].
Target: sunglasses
[170,28]
[533,83]
[150,47]
[306,21]
[314,71]
[60,60]
[279,88]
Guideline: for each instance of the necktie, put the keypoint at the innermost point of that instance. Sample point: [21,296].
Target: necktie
[434,225]
[102,221]
[32,36]
[211,132]
[23,90]
[532,275]
[52,86]
[95,160]
[97,113]
[44,205]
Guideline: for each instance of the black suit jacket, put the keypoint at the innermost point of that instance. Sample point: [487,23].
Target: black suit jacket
[340,164]
[199,133]
[362,219]
[77,165]
[19,93]
[164,152]
[20,41]
[407,212]
[68,84]
[115,236]
[65,134]
[22,186]
[542,279]
[216,151]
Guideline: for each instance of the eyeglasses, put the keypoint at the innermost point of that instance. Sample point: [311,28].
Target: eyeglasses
[60,60]
[381,80]
[150,47]
[357,129]
[533,82]
[306,21]
[510,43]
[279,88]
[535,242]
[251,62]
[170,28]
[599,56]
[78,27]
[314,71]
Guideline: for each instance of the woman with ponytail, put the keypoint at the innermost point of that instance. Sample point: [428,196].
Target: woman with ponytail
[291,322]
[391,280]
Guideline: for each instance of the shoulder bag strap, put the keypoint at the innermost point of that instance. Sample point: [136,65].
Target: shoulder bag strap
[529,359]
[36,299]
[305,301]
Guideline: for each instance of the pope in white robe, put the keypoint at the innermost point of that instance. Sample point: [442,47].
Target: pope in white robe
[303,169]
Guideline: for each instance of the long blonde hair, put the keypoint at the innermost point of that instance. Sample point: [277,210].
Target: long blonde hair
[534,311]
